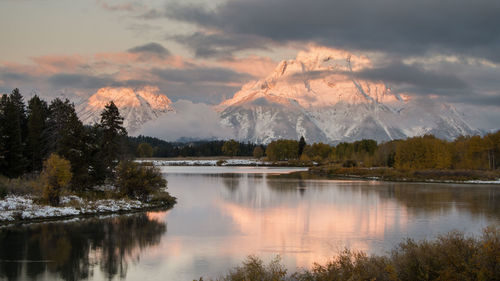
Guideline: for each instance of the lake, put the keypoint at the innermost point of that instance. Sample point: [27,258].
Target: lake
[224,214]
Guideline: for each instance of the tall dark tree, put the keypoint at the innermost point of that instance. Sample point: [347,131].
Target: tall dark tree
[65,135]
[113,137]
[3,136]
[302,145]
[13,119]
[37,116]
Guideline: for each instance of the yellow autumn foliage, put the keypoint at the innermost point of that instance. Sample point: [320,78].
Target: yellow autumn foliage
[56,175]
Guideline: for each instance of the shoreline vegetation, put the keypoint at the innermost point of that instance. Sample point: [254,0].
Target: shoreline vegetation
[452,256]
[394,175]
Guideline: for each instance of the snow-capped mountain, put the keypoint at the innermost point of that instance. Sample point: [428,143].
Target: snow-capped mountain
[137,106]
[317,96]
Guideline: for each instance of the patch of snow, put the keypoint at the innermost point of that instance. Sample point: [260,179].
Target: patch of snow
[211,162]
[15,207]
[484,182]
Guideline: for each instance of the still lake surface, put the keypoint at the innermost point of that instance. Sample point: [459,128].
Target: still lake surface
[224,214]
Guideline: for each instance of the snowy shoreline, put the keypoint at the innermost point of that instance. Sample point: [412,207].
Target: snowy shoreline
[206,162]
[22,209]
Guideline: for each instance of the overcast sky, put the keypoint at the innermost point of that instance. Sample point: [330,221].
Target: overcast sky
[203,51]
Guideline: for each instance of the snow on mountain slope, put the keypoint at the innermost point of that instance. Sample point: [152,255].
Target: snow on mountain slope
[317,96]
[137,106]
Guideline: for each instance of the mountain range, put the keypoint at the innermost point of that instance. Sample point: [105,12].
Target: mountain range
[316,95]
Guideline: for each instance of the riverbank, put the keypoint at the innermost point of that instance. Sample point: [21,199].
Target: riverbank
[218,161]
[390,174]
[453,256]
[20,209]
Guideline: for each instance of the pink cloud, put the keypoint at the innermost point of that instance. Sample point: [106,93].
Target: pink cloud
[253,65]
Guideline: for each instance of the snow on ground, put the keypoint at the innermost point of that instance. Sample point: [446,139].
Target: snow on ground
[210,162]
[484,182]
[15,207]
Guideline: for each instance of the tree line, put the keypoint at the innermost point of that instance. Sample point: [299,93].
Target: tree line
[30,134]
[416,153]
[144,146]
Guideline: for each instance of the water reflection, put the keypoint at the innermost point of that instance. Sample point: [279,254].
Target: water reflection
[220,218]
[72,250]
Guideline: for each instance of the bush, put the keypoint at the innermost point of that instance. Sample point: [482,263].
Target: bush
[349,164]
[145,150]
[56,176]
[253,268]
[449,257]
[138,181]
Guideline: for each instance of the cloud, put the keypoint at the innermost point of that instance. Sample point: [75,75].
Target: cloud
[254,65]
[421,80]
[81,81]
[150,49]
[426,80]
[219,44]
[127,6]
[394,26]
[191,120]
[201,74]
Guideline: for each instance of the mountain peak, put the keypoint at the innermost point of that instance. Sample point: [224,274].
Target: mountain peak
[137,106]
[319,76]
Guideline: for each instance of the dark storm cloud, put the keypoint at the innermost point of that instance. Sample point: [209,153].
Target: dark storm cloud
[412,75]
[419,79]
[220,44]
[405,27]
[201,74]
[15,76]
[150,48]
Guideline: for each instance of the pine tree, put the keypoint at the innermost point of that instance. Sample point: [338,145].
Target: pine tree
[13,119]
[37,115]
[113,140]
[65,135]
[3,136]
[302,144]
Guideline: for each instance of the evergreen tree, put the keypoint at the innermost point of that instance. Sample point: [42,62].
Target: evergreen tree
[113,138]
[13,119]
[3,138]
[302,144]
[65,136]
[37,115]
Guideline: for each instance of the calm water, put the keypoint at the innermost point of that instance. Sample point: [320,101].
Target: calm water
[224,214]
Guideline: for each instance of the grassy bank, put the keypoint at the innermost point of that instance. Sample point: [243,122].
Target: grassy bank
[391,174]
[453,256]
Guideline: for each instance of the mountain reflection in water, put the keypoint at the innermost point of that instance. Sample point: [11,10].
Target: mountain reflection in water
[73,250]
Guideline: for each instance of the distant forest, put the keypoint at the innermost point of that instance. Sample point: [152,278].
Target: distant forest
[417,153]
[144,146]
